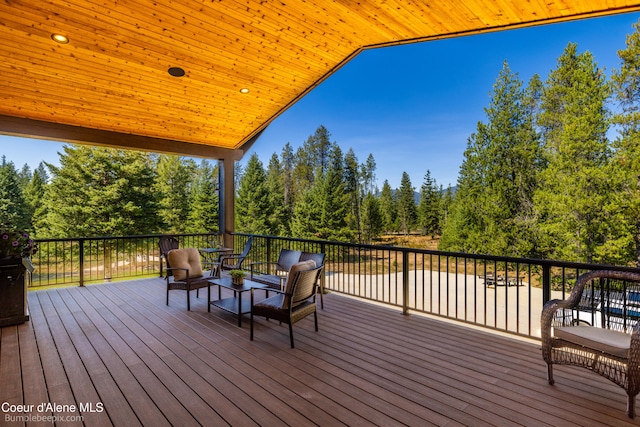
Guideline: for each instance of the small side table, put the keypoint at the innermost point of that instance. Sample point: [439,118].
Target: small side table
[235,304]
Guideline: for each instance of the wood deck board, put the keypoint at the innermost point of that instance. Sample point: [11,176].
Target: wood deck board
[33,381]
[84,390]
[58,387]
[153,364]
[205,362]
[149,368]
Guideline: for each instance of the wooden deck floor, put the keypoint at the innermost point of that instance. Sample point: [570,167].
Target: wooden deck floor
[118,350]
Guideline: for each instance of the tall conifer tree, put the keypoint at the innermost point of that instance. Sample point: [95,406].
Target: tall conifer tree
[204,201]
[280,219]
[353,187]
[12,205]
[429,206]
[493,210]
[626,82]
[574,197]
[99,192]
[253,204]
[388,208]
[173,187]
[406,204]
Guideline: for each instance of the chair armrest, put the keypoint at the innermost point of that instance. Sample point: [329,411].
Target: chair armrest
[177,268]
[229,257]
[548,314]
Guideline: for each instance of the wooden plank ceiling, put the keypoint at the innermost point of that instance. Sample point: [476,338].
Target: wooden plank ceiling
[110,84]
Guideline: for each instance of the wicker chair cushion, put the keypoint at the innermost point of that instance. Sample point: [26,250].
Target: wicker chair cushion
[609,341]
[295,268]
[188,258]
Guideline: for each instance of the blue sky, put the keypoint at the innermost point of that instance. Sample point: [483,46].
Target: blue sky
[412,106]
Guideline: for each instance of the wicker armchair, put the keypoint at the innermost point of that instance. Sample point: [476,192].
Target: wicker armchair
[597,328]
[295,302]
[185,273]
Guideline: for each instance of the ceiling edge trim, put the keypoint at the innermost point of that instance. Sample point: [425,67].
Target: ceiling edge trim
[38,129]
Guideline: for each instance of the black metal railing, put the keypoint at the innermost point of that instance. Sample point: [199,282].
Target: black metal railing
[501,293]
[98,259]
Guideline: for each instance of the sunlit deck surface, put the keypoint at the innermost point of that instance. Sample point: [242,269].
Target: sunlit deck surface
[149,364]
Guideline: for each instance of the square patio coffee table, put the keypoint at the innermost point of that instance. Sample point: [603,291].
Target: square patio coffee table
[235,304]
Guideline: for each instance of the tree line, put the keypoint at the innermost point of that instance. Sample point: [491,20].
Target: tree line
[542,178]
[314,192]
[319,192]
[553,172]
[108,192]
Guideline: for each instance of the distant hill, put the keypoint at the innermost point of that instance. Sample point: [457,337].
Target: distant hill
[416,194]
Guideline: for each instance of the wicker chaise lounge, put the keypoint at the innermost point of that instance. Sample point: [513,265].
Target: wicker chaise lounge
[604,339]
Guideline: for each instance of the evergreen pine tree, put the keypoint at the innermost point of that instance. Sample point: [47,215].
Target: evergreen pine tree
[368,172]
[99,192]
[204,201]
[429,207]
[388,208]
[173,186]
[574,196]
[371,218]
[353,189]
[253,204]
[323,209]
[626,83]
[289,197]
[406,204]
[493,209]
[280,219]
[12,205]
[34,194]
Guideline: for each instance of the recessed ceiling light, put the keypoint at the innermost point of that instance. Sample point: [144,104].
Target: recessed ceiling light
[244,90]
[59,38]
[176,71]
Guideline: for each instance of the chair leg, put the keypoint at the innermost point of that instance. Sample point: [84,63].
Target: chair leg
[550,373]
[315,319]
[188,300]
[631,406]
[251,319]
[167,295]
[291,333]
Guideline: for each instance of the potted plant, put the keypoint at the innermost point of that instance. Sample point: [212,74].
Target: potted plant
[237,276]
[15,249]
[15,243]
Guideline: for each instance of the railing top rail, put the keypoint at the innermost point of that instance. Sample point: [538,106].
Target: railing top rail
[137,236]
[483,257]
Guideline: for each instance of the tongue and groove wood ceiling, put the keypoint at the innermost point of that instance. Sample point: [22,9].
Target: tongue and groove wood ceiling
[110,85]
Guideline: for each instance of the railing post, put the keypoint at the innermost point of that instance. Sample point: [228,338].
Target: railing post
[546,283]
[405,282]
[268,255]
[81,260]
